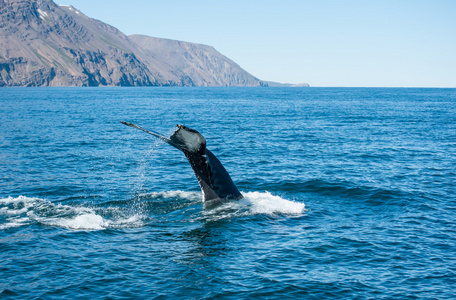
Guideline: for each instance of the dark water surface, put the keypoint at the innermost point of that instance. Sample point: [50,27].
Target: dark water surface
[349,194]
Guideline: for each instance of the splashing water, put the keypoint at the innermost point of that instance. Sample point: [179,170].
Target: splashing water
[375,168]
[266,203]
[255,203]
[24,210]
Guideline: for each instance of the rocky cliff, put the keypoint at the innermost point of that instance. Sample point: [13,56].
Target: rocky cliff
[192,64]
[44,44]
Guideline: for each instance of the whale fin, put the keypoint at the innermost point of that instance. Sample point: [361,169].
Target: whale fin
[214,180]
[221,181]
[165,139]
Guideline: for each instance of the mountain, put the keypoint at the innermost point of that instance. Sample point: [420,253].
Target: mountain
[192,64]
[45,44]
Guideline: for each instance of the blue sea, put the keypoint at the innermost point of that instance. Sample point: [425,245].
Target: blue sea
[349,193]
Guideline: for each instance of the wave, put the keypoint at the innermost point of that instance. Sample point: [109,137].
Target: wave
[138,212]
[255,203]
[252,203]
[266,203]
[373,194]
[21,211]
[178,194]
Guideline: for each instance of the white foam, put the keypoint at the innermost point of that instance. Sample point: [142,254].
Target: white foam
[14,223]
[266,203]
[255,203]
[174,194]
[133,221]
[252,203]
[23,211]
[85,221]
[17,206]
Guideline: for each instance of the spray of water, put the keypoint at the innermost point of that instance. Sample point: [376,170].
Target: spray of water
[23,211]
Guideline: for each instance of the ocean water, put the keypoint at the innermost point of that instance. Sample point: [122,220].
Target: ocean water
[349,194]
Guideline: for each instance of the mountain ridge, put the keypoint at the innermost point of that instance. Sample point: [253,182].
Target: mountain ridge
[45,44]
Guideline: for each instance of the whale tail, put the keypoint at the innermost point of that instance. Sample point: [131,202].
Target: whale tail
[214,180]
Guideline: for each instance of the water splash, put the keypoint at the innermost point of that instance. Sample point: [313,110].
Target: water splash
[266,203]
[21,211]
[255,203]
[178,194]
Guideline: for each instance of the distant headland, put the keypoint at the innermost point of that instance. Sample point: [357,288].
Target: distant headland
[278,84]
[45,44]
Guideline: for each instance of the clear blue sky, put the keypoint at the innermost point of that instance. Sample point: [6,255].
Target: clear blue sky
[391,43]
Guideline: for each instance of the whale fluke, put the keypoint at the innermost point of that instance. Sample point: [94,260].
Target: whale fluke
[152,133]
[214,180]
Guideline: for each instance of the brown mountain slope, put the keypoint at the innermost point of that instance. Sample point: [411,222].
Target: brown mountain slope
[192,64]
[44,44]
